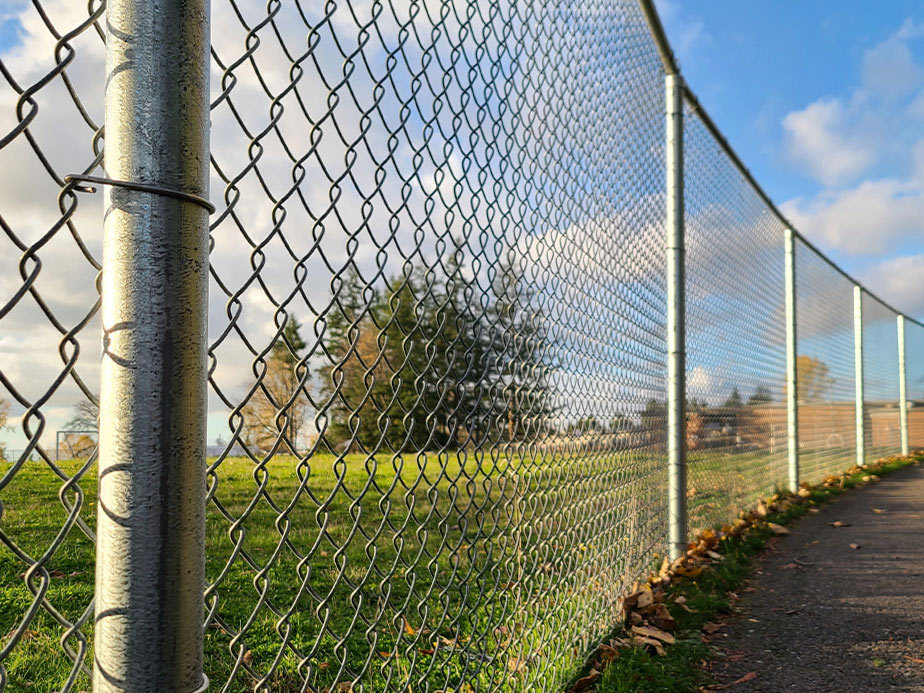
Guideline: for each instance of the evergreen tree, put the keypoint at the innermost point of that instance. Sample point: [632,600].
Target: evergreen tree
[761,396]
[734,399]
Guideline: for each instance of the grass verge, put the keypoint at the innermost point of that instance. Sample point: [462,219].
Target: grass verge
[699,592]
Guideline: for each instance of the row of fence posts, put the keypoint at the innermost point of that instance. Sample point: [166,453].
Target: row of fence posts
[150,537]
[676,348]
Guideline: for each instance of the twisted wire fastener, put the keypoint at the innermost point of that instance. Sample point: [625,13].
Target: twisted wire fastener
[141,187]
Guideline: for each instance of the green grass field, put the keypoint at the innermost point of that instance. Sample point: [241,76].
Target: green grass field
[425,572]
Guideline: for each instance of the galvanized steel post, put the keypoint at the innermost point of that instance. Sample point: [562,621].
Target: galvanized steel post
[792,393]
[902,385]
[676,316]
[859,406]
[151,519]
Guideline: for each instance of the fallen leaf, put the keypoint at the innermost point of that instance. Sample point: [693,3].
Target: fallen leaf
[586,681]
[804,493]
[407,628]
[516,665]
[661,618]
[914,659]
[854,546]
[878,511]
[777,529]
[425,651]
[247,658]
[750,676]
[608,654]
[645,598]
[838,523]
[658,647]
[656,633]
[711,628]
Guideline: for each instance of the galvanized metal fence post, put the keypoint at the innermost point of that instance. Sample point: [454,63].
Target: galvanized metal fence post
[859,406]
[151,519]
[676,316]
[792,393]
[902,386]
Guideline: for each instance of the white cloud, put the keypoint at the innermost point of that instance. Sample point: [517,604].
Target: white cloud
[898,282]
[889,69]
[869,219]
[699,381]
[836,140]
[818,140]
[865,149]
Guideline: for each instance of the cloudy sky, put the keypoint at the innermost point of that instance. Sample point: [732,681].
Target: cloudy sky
[824,110]
[825,104]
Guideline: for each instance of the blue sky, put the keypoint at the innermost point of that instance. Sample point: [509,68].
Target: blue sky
[824,102]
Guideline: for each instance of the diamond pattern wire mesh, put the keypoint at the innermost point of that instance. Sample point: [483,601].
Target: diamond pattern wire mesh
[914,382]
[50,115]
[736,349]
[824,366]
[437,404]
[442,353]
[880,379]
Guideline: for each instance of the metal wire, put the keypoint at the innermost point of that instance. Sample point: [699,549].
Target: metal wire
[736,353]
[824,366]
[914,378]
[437,341]
[50,250]
[461,447]
[880,375]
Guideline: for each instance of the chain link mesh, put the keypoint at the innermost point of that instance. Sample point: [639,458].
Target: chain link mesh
[437,411]
[914,382]
[825,382]
[736,348]
[442,353]
[880,379]
[50,113]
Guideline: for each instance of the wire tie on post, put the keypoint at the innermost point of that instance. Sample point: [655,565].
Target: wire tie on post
[141,187]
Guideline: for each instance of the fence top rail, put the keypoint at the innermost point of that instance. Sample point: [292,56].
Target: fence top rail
[672,67]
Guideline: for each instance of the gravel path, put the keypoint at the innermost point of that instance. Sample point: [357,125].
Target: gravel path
[821,616]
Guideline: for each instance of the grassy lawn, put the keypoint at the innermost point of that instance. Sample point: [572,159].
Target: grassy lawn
[432,572]
[426,571]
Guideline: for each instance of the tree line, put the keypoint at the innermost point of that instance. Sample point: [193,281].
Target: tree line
[425,362]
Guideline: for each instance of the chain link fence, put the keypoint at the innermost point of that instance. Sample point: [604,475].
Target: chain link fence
[825,365]
[437,416]
[736,350]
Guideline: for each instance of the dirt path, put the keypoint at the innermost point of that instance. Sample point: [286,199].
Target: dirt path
[821,616]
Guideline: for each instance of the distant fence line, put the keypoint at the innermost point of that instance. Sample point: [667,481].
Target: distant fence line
[424,329]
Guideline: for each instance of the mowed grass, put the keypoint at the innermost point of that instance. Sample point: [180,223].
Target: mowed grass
[722,482]
[421,572]
[424,572]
